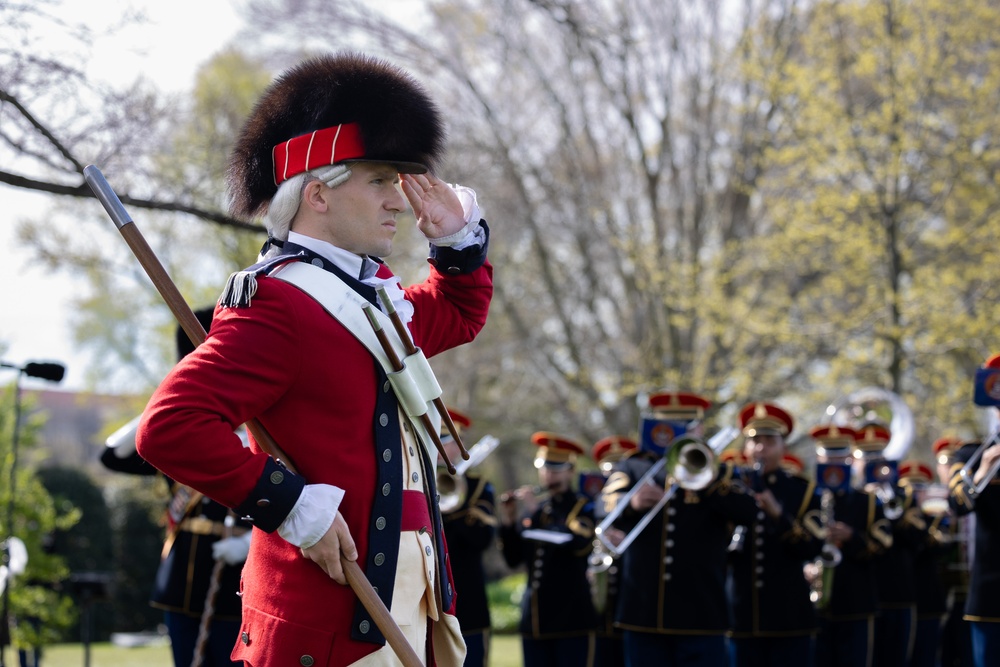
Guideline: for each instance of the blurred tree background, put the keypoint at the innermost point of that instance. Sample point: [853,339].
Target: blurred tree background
[753,199]
[38,608]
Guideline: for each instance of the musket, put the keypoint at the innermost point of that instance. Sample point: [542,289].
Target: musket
[404,335]
[196,332]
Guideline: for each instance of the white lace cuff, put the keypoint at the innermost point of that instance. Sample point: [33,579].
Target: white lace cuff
[472,233]
[312,515]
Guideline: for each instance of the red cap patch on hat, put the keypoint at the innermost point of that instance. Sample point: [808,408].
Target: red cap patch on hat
[681,404]
[555,448]
[872,437]
[911,471]
[607,451]
[944,447]
[765,419]
[833,436]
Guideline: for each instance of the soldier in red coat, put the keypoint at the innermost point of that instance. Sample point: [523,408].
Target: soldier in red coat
[322,156]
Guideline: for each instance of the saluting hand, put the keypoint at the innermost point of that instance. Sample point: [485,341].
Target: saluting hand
[326,553]
[435,204]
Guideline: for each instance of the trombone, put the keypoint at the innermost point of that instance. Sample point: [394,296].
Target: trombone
[966,475]
[691,464]
[453,489]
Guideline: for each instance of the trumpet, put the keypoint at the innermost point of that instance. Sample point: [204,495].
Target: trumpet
[691,464]
[453,489]
[536,492]
[966,475]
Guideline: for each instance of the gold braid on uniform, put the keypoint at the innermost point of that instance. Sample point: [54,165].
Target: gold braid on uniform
[879,532]
[799,532]
[726,482]
[478,510]
[614,489]
[912,515]
[581,525]
[958,488]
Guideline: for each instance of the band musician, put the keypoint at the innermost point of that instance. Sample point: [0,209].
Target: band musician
[932,519]
[672,605]
[606,573]
[551,531]
[856,530]
[470,529]
[956,636]
[895,621]
[775,621]
[982,608]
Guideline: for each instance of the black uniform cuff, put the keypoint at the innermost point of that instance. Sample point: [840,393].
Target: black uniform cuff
[276,492]
[455,262]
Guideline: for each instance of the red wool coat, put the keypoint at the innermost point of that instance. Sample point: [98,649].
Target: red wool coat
[285,361]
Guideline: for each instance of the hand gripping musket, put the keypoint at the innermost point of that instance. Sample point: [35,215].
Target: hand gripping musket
[196,332]
[692,465]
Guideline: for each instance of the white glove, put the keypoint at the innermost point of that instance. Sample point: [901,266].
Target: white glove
[232,550]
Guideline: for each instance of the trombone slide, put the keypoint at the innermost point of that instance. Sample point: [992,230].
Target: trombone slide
[967,473]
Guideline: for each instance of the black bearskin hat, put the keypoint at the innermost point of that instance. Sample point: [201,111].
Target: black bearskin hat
[393,117]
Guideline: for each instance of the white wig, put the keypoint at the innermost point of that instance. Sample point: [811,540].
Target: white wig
[286,201]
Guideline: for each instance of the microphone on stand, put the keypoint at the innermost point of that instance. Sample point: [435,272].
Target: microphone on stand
[45,370]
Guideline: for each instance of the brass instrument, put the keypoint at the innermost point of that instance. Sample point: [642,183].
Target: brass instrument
[892,504]
[881,405]
[537,492]
[691,464]
[453,489]
[966,475]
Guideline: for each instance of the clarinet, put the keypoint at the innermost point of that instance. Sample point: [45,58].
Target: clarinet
[829,558]
[740,532]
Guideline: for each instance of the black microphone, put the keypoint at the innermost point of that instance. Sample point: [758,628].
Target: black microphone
[46,371]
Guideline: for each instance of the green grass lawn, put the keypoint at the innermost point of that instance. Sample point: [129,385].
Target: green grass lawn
[505,652]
